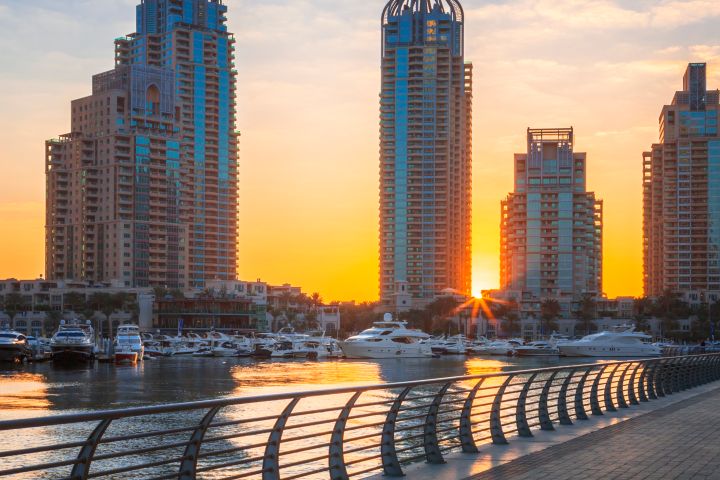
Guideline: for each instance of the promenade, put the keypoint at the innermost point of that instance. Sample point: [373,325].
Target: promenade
[675,437]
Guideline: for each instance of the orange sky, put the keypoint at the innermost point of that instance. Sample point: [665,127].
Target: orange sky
[308,113]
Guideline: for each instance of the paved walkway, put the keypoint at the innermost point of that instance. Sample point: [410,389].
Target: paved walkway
[674,437]
[680,441]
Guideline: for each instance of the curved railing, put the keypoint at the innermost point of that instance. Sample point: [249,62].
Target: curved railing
[336,433]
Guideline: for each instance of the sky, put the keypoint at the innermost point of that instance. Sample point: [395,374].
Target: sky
[308,84]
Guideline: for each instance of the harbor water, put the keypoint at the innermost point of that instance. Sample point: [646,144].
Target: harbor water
[46,389]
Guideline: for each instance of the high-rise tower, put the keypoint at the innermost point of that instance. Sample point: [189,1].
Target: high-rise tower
[143,190]
[425,152]
[681,194]
[551,226]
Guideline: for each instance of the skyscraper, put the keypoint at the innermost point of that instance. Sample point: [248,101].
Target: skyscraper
[425,152]
[143,190]
[551,226]
[681,193]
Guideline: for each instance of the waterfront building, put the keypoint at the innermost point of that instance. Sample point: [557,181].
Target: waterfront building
[33,299]
[551,226]
[143,189]
[425,153]
[202,314]
[681,195]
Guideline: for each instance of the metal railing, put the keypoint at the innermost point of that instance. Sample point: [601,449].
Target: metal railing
[335,433]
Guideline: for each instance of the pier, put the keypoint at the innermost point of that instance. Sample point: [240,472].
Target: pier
[571,420]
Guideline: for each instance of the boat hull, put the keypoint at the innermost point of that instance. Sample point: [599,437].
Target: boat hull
[14,353]
[126,357]
[537,353]
[359,350]
[73,354]
[607,351]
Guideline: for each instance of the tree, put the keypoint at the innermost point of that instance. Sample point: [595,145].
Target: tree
[587,312]
[549,311]
[74,301]
[669,307]
[14,303]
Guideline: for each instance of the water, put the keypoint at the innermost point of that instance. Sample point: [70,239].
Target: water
[46,389]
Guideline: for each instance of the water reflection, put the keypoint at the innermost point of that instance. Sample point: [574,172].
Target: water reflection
[46,388]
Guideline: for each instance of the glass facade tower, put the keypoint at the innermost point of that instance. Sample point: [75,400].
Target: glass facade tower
[425,152]
[681,195]
[143,191]
[551,226]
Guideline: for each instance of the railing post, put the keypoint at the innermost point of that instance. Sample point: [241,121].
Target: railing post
[466,434]
[686,374]
[563,414]
[188,466]
[672,379]
[543,413]
[580,413]
[652,380]
[620,392]
[271,460]
[388,452]
[632,396]
[433,455]
[81,469]
[594,400]
[520,412]
[336,460]
[659,379]
[642,383]
[609,407]
[496,428]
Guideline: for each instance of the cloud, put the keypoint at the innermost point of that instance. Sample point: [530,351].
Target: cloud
[559,16]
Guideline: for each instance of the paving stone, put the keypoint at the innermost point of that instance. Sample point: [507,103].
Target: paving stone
[678,442]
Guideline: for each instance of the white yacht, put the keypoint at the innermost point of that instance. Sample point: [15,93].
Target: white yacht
[73,343]
[387,339]
[455,345]
[128,345]
[621,341]
[14,347]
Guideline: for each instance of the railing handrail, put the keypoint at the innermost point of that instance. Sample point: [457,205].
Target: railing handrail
[115,414]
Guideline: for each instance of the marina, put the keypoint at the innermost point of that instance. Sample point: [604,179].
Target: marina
[251,407]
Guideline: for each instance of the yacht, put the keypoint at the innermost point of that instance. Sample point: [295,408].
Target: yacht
[500,347]
[128,345]
[455,345]
[621,341]
[537,349]
[14,347]
[387,339]
[73,343]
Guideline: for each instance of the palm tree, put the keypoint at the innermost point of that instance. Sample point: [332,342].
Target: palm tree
[587,312]
[74,301]
[549,310]
[14,303]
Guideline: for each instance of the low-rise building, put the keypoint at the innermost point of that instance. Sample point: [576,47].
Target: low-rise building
[230,315]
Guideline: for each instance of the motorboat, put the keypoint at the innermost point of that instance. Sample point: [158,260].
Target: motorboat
[40,349]
[287,348]
[263,345]
[322,349]
[128,344]
[477,346]
[73,343]
[387,339]
[14,347]
[500,348]
[455,345]
[621,341]
[537,349]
